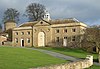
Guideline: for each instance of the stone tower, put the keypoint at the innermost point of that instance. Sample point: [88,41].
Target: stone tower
[9,25]
[47,16]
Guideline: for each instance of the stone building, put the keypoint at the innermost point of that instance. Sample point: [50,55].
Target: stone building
[47,32]
[3,38]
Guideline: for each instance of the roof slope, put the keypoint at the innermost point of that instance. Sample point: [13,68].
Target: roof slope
[51,22]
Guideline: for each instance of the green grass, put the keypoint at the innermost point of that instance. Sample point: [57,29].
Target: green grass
[79,53]
[94,67]
[24,58]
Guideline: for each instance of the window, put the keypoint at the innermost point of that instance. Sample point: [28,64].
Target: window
[16,40]
[65,37]
[16,33]
[73,38]
[28,40]
[28,33]
[57,39]
[65,30]
[57,31]
[22,33]
[41,22]
[73,30]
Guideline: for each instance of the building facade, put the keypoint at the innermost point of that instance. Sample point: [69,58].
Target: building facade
[48,33]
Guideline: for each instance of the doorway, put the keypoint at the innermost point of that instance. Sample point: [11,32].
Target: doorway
[22,42]
[41,39]
[65,41]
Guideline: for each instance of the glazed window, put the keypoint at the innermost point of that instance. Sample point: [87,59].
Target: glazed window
[73,30]
[65,30]
[16,40]
[22,33]
[28,40]
[57,39]
[65,37]
[57,31]
[73,38]
[16,33]
[28,33]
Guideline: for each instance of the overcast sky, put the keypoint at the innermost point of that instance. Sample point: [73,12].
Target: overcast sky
[87,11]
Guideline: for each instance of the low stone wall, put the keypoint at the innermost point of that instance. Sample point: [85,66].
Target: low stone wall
[86,63]
[8,43]
[2,39]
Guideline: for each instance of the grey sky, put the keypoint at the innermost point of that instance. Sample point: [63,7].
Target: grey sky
[87,11]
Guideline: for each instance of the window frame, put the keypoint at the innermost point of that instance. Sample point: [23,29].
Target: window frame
[28,32]
[28,40]
[73,29]
[57,39]
[65,30]
[57,30]
[22,33]
[16,40]
[73,38]
[16,33]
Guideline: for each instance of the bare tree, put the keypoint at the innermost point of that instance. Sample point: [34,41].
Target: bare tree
[92,36]
[11,15]
[35,11]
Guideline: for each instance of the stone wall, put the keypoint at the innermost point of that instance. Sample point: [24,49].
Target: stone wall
[2,39]
[7,43]
[86,63]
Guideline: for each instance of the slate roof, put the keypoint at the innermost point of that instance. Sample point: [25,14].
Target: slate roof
[51,22]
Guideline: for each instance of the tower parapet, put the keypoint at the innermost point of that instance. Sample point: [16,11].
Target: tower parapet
[9,25]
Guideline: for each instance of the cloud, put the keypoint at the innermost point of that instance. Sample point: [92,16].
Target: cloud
[85,10]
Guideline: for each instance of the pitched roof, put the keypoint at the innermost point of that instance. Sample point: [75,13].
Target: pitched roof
[28,24]
[51,22]
[63,21]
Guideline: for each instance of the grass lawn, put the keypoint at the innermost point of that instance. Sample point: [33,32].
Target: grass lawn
[73,52]
[24,58]
[94,67]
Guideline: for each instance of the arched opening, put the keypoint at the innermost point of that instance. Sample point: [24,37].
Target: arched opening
[65,41]
[41,39]
[22,42]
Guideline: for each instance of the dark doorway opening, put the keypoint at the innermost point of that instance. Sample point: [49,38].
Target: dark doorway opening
[2,43]
[22,43]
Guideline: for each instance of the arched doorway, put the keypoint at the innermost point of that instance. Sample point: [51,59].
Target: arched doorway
[41,39]
[65,41]
[22,42]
